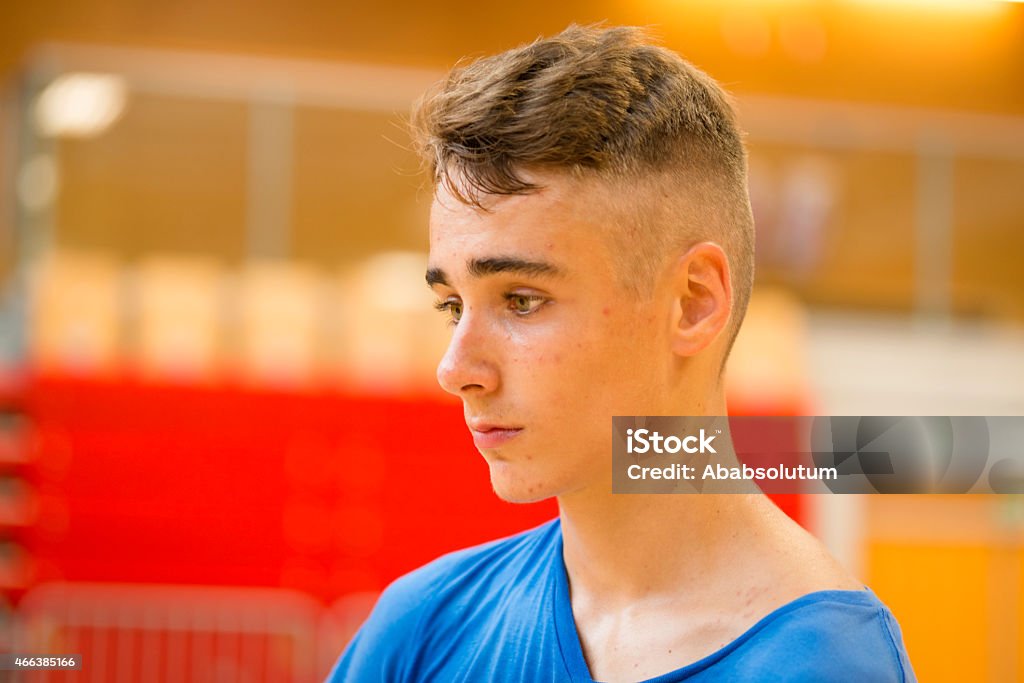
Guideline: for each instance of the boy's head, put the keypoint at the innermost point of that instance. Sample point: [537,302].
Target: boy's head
[602,104]
[592,236]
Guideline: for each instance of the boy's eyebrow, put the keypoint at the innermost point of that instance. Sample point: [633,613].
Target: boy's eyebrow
[497,264]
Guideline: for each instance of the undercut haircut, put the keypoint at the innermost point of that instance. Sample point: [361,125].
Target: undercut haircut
[601,104]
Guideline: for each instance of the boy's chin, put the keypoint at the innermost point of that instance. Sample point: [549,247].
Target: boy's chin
[515,487]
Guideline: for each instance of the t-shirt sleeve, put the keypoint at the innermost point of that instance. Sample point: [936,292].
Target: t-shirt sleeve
[892,628]
[381,649]
[833,647]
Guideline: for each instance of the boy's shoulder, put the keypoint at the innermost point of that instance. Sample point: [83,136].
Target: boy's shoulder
[420,620]
[474,571]
[834,635]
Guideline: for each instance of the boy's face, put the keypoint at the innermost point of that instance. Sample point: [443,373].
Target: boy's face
[548,345]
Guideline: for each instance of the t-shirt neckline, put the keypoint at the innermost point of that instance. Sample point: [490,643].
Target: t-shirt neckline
[572,649]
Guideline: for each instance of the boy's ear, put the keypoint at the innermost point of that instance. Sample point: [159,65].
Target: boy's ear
[703,298]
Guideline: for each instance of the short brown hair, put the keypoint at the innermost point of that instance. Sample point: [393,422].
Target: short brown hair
[607,103]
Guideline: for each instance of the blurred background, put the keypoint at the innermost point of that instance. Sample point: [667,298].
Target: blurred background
[220,434]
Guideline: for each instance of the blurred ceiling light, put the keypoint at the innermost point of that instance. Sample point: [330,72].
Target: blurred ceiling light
[747,33]
[80,105]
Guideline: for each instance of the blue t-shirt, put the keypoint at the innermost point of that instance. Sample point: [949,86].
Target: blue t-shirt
[501,612]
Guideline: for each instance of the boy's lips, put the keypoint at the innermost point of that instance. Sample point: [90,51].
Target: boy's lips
[488,435]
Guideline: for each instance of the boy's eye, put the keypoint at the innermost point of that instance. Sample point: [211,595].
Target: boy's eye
[454,309]
[524,304]
[521,303]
